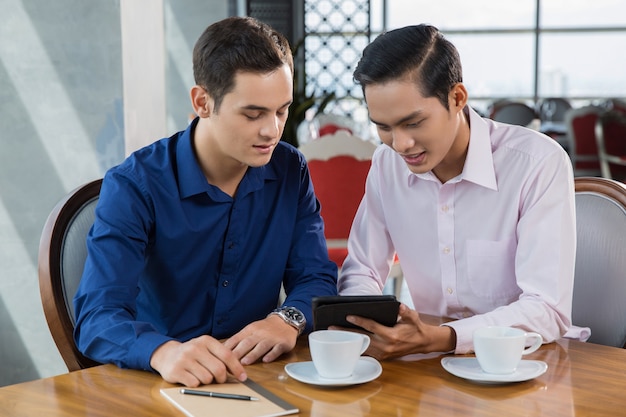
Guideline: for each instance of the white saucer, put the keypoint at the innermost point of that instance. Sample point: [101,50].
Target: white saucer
[469,368]
[367,369]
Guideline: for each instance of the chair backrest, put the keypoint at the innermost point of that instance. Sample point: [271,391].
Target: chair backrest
[553,109]
[513,112]
[611,140]
[583,150]
[340,142]
[338,165]
[62,254]
[600,277]
[615,104]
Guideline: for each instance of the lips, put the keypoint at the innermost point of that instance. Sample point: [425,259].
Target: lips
[264,148]
[414,159]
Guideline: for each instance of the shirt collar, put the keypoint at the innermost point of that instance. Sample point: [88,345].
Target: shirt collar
[478,167]
[191,179]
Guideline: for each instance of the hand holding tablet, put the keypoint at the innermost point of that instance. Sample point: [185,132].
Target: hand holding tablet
[332,310]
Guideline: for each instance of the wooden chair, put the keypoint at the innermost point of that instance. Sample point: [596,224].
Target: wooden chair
[600,277]
[583,150]
[62,254]
[610,132]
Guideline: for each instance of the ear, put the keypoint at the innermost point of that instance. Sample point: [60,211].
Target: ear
[458,97]
[201,101]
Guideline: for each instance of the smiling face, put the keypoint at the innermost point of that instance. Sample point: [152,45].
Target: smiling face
[420,129]
[247,126]
[251,117]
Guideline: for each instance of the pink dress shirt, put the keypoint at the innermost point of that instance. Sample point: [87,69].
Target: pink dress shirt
[493,246]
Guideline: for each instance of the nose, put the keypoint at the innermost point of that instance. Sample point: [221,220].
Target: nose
[271,129]
[401,141]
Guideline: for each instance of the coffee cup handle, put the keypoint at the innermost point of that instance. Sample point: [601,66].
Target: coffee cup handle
[538,340]
[366,343]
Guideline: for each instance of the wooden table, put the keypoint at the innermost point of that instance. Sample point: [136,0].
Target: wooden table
[583,379]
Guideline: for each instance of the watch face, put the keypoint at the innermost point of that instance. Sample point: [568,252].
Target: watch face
[294,314]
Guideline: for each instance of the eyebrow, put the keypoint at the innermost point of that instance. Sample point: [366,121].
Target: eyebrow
[262,108]
[404,119]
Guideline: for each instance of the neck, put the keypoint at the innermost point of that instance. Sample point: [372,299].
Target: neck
[219,170]
[452,165]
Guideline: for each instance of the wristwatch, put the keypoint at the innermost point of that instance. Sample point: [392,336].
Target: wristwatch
[292,316]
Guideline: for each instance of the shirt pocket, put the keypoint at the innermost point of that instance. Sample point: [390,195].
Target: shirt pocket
[491,269]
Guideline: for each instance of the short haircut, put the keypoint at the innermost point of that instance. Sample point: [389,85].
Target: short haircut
[237,44]
[418,53]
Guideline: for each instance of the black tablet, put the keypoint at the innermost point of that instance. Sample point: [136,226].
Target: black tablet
[332,310]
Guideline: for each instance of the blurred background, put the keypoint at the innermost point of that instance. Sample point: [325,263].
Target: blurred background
[82,84]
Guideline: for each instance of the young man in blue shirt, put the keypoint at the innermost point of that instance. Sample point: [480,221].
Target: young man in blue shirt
[194,234]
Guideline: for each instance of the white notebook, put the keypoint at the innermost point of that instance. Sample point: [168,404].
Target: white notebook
[200,406]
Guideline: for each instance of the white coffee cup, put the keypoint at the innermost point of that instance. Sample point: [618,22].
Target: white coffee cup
[499,349]
[335,353]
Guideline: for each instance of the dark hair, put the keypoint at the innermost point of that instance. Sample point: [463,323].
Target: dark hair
[237,44]
[420,53]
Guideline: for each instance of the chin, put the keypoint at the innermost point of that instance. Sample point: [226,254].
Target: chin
[421,169]
[259,162]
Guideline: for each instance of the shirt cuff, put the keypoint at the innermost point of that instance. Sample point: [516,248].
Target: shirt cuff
[464,337]
[578,333]
[145,345]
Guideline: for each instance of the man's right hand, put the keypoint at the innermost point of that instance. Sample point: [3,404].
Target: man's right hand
[199,361]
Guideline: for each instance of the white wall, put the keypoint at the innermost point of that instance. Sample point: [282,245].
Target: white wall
[62,124]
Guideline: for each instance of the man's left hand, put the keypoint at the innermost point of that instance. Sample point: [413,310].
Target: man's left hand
[267,339]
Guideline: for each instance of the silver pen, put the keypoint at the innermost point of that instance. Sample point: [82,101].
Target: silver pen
[218,395]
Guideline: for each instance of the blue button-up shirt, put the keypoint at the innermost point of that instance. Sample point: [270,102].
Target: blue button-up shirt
[172,257]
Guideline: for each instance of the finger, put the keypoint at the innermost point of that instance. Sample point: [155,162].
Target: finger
[198,374]
[202,364]
[226,362]
[185,377]
[263,347]
[235,368]
[243,349]
[403,310]
[274,353]
[406,314]
[368,324]
[232,342]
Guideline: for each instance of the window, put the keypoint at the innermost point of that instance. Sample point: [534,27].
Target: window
[527,49]
[336,32]
[571,53]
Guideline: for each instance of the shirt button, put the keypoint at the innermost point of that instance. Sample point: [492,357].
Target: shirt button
[450,291]
[231,245]
[444,208]
[225,283]
[446,250]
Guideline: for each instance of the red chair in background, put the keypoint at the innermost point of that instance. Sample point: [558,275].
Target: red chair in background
[338,164]
[615,104]
[583,150]
[611,142]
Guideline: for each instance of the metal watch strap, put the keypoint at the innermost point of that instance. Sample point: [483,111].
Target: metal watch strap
[291,316]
